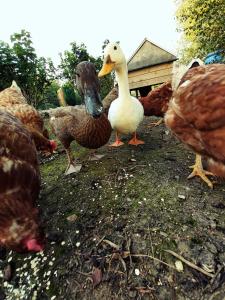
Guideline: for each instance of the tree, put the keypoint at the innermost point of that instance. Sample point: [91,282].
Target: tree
[78,53]
[50,99]
[72,97]
[203,26]
[70,59]
[7,65]
[20,62]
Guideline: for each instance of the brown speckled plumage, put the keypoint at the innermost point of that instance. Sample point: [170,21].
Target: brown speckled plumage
[73,123]
[197,114]
[20,183]
[157,100]
[13,101]
[11,96]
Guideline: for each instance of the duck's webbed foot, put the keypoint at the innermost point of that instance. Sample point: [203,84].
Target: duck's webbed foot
[117,142]
[72,166]
[135,141]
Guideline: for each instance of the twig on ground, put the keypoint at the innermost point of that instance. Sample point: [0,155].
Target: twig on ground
[99,242]
[84,274]
[190,264]
[111,244]
[138,255]
[154,258]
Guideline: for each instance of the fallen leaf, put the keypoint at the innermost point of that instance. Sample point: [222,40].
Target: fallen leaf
[96,276]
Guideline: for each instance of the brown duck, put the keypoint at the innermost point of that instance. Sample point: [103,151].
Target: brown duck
[86,124]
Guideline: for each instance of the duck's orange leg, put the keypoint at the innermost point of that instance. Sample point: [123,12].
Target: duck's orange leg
[118,142]
[135,141]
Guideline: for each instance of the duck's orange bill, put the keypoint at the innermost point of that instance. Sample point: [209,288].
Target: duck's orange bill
[106,69]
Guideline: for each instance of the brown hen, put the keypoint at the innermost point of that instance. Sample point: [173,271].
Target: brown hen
[13,101]
[156,102]
[19,187]
[196,115]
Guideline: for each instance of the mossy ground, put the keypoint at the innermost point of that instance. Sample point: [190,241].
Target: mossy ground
[139,199]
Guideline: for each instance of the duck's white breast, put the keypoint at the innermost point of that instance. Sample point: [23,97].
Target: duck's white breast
[125,116]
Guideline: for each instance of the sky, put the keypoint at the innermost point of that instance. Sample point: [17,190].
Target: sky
[55,24]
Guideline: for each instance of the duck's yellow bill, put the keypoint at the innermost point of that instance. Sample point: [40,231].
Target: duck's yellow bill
[106,69]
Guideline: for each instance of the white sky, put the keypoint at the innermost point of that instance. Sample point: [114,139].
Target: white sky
[55,24]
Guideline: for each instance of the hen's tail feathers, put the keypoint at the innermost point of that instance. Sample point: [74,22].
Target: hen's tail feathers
[180,70]
[61,97]
[14,85]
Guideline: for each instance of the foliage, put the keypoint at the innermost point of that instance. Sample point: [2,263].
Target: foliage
[72,97]
[50,99]
[78,53]
[36,76]
[20,62]
[203,26]
[70,59]
[7,65]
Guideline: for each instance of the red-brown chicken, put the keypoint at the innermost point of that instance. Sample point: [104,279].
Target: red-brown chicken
[157,100]
[19,187]
[196,115]
[13,101]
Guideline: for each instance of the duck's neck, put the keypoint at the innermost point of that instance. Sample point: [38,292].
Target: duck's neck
[122,79]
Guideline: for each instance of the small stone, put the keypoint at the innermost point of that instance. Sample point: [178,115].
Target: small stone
[137,272]
[72,218]
[212,224]
[7,273]
[179,266]
[181,197]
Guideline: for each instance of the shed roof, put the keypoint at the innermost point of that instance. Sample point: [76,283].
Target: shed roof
[149,54]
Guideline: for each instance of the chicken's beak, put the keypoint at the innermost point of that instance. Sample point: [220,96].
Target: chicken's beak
[107,67]
[53,145]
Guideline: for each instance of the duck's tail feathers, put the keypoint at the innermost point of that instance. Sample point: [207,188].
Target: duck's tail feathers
[61,97]
[179,71]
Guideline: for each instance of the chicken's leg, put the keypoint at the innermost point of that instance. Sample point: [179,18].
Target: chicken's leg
[135,141]
[118,142]
[72,167]
[153,124]
[199,171]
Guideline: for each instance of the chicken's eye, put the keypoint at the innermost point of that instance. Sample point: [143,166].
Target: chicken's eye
[115,48]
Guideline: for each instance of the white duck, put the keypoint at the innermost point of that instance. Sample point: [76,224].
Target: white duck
[126,112]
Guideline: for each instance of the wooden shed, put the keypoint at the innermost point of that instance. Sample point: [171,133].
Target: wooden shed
[149,66]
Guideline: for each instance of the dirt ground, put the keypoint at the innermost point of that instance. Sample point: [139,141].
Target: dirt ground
[110,227]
